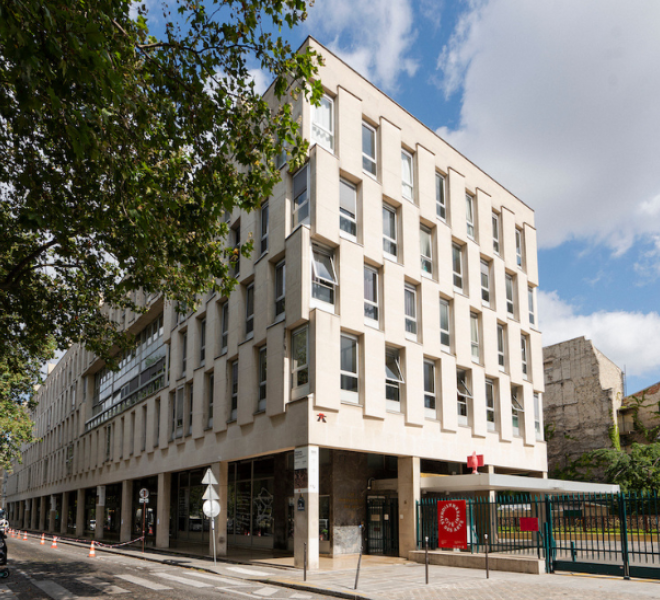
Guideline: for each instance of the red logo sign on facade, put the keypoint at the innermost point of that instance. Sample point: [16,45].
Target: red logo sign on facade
[529,524]
[452,524]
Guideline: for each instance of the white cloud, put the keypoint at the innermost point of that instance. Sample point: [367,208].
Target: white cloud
[559,104]
[261,80]
[627,338]
[373,36]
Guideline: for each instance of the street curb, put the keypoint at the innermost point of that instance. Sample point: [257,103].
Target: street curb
[303,587]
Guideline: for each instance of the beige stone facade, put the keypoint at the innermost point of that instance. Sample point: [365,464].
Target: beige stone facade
[385,325]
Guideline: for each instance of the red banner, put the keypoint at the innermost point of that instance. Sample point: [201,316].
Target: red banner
[529,524]
[452,524]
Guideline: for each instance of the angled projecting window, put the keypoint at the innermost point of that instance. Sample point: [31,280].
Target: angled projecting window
[280,288]
[184,353]
[202,341]
[190,410]
[224,331]
[368,149]
[393,379]
[496,233]
[516,410]
[490,404]
[457,264]
[209,401]
[440,203]
[300,197]
[233,383]
[501,345]
[177,413]
[347,208]
[537,417]
[299,353]
[524,350]
[429,388]
[469,215]
[464,396]
[236,256]
[530,305]
[474,337]
[263,374]
[264,227]
[390,231]
[249,311]
[519,248]
[407,175]
[371,296]
[510,303]
[426,249]
[324,278]
[323,123]
[410,302]
[349,369]
[445,314]
[485,283]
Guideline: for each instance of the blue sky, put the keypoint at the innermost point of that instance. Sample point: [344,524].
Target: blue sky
[558,101]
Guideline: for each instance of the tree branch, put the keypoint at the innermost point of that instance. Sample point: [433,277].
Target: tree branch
[16,273]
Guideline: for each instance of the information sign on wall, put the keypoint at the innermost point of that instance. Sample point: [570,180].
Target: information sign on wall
[306,470]
[452,524]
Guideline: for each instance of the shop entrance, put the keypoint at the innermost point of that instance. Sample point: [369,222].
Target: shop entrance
[382,525]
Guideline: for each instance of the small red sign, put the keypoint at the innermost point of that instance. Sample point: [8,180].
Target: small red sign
[529,524]
[452,524]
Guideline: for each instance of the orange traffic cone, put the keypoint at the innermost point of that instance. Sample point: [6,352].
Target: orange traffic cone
[43,539]
[54,544]
[92,552]
[25,536]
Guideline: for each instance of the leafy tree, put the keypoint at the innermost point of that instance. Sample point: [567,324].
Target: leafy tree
[120,154]
[636,471]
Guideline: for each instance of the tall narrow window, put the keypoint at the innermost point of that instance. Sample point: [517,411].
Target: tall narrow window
[300,368]
[190,409]
[349,369]
[516,410]
[263,374]
[184,353]
[177,414]
[406,175]
[510,304]
[485,283]
[323,126]
[457,263]
[523,354]
[236,256]
[410,297]
[347,208]
[445,336]
[429,388]
[537,416]
[143,446]
[501,344]
[440,204]
[426,249]
[249,311]
[519,248]
[202,341]
[496,233]
[389,231]
[157,424]
[324,278]
[234,391]
[300,197]
[530,304]
[393,379]
[209,401]
[368,149]
[490,404]
[463,398]
[224,335]
[469,215]
[264,228]
[371,296]
[474,336]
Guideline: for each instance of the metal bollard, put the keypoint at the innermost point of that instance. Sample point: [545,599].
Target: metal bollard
[487,569]
[305,563]
[426,559]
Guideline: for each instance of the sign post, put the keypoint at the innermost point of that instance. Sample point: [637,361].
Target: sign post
[144,500]
[211,506]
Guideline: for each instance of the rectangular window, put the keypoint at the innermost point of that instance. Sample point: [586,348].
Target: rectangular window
[300,197]
[177,414]
[263,373]
[537,417]
[406,175]
[324,278]
[234,390]
[157,425]
[280,288]
[184,353]
[368,149]
[530,304]
[496,233]
[429,388]
[426,249]
[474,336]
[523,354]
[490,404]
[323,126]
[190,410]
[457,263]
[469,215]
[440,203]
[393,379]
[224,335]
[347,208]
[202,341]
[519,248]
[463,398]
[249,311]
[410,301]
[236,256]
[299,366]
[389,231]
[485,283]
[349,369]
[371,295]
[500,346]
[516,410]
[143,446]
[445,335]
[264,228]
[510,304]
[209,401]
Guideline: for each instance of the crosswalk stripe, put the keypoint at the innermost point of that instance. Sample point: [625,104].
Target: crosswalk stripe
[219,580]
[106,587]
[190,582]
[266,592]
[56,592]
[143,582]
[247,571]
[300,597]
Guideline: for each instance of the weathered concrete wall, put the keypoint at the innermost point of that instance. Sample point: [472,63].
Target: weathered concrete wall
[583,391]
[645,406]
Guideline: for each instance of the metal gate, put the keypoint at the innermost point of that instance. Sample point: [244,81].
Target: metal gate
[382,526]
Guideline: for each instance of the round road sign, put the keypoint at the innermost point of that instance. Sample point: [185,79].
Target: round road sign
[144,493]
[211,508]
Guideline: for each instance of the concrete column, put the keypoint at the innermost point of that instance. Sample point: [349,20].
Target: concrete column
[21,512]
[42,513]
[64,515]
[306,500]
[409,495]
[80,513]
[100,512]
[27,517]
[126,510]
[220,471]
[52,513]
[34,515]
[163,512]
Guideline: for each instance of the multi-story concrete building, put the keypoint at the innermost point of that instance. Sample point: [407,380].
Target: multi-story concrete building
[384,327]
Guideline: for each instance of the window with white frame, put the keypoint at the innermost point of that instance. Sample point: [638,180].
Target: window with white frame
[323,123]
[519,247]
[501,345]
[349,369]
[177,413]
[440,202]
[184,353]
[324,278]
[530,304]
[445,334]
[390,231]
[469,215]
[224,327]
[426,249]
[510,303]
[371,296]
[516,410]
[537,416]
[263,374]
[264,228]
[457,264]
[301,196]
[485,282]
[410,305]
[524,342]
[347,208]
[429,388]
[202,341]
[190,410]
[280,288]
[368,149]
[233,383]
[496,233]
[407,175]
[249,311]
[393,379]
[299,355]
[490,404]
[209,401]
[474,336]
[464,396]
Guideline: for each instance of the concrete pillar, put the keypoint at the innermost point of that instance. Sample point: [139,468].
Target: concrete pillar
[126,510]
[220,471]
[27,517]
[100,512]
[64,515]
[34,515]
[163,512]
[52,513]
[42,513]
[306,498]
[21,511]
[80,513]
[409,495]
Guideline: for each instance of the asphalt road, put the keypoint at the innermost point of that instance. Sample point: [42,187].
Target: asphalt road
[67,573]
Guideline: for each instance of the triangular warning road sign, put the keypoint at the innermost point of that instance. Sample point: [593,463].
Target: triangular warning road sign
[209,478]
[210,494]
